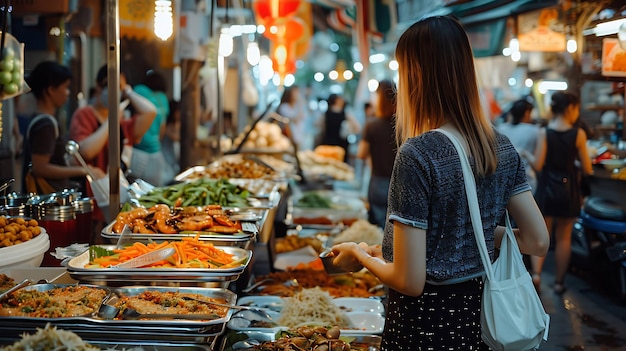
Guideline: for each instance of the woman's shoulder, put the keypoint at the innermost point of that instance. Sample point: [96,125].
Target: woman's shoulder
[427,145]
[42,122]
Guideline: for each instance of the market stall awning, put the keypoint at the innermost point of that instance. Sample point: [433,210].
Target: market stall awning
[478,11]
[485,21]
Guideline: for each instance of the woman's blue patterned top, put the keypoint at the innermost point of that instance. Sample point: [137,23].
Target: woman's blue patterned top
[427,192]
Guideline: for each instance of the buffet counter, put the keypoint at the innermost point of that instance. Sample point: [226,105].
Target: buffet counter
[243,222]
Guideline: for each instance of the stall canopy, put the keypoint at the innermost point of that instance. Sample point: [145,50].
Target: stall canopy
[485,21]
[477,11]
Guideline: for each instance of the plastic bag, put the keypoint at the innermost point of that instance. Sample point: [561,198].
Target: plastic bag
[12,68]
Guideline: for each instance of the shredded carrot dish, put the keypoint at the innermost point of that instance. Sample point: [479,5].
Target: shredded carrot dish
[190,253]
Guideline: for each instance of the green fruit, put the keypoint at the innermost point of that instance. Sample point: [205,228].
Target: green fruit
[17,65]
[16,77]
[8,53]
[11,88]
[6,65]
[5,77]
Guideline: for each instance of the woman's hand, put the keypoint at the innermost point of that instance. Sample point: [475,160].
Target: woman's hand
[346,256]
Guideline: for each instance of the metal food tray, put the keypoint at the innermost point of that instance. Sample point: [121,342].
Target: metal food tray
[345,207]
[151,346]
[123,344]
[91,324]
[238,239]
[76,269]
[17,320]
[193,173]
[220,293]
[102,332]
[368,342]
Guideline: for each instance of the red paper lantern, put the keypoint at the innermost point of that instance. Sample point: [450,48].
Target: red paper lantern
[271,9]
[290,30]
[283,61]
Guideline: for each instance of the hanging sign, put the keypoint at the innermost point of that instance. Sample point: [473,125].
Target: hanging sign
[541,30]
[193,35]
[137,19]
[613,58]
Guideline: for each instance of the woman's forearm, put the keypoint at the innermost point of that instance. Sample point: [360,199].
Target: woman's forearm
[146,111]
[52,171]
[91,146]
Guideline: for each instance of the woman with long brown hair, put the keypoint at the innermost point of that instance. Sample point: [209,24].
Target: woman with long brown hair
[429,257]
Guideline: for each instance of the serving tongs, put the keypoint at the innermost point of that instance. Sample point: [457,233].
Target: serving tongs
[258,310]
[6,184]
[22,284]
[108,310]
[146,259]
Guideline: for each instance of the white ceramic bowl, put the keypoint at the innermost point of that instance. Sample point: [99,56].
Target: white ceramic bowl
[612,164]
[26,254]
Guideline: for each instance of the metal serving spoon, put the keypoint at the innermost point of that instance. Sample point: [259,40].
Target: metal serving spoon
[72,148]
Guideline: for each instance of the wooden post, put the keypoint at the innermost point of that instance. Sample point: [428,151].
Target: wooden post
[113,79]
[189,112]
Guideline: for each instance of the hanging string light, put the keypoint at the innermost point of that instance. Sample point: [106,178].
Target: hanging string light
[163,19]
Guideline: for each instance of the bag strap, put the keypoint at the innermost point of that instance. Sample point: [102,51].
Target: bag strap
[474,207]
[40,118]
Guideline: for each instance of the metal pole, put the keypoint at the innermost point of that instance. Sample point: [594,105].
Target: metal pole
[113,78]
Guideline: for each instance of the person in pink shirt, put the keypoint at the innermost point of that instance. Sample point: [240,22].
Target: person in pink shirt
[89,126]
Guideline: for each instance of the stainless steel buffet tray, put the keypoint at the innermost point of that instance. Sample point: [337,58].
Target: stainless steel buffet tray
[114,329]
[240,239]
[76,269]
[124,344]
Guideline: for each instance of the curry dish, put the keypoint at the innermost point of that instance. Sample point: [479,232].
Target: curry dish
[62,302]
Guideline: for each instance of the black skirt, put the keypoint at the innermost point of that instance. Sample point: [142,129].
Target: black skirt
[559,193]
[444,317]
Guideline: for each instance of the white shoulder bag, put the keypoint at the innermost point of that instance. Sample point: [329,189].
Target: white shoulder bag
[512,316]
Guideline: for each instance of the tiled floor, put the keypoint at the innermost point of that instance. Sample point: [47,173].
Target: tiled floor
[587,316]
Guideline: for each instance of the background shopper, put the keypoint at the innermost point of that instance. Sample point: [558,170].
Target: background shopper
[523,136]
[90,124]
[44,168]
[560,145]
[147,155]
[379,145]
[337,124]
